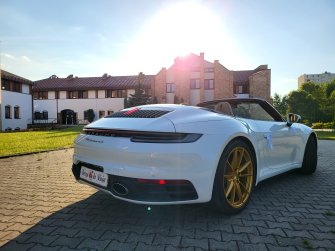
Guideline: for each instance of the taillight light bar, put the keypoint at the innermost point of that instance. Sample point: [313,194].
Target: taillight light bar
[145,137]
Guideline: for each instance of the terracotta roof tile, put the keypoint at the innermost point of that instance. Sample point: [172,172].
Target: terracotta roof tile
[11,76]
[90,83]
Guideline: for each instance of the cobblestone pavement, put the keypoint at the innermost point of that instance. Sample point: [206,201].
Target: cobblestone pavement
[43,208]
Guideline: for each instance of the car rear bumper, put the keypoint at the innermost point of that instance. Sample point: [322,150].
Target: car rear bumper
[141,190]
[122,159]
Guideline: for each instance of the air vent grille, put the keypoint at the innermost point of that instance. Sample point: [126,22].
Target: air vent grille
[137,113]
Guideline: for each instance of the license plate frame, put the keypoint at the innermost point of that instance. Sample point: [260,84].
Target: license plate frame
[93,176]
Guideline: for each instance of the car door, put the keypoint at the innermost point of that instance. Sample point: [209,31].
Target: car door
[277,143]
[278,146]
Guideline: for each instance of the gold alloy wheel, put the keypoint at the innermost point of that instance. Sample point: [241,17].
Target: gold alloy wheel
[238,177]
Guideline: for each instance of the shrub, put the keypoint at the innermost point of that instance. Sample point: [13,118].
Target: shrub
[321,125]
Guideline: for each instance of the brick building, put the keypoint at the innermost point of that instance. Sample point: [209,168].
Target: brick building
[192,79]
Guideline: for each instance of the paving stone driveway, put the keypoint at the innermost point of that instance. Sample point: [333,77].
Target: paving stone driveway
[43,208]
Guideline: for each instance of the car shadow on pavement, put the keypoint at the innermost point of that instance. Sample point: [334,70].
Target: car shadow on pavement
[101,222]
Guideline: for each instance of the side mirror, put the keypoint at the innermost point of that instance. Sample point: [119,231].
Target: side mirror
[292,118]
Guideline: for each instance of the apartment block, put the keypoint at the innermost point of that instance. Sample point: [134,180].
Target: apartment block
[316,78]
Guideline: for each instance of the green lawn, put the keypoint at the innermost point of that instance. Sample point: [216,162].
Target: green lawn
[36,141]
[326,135]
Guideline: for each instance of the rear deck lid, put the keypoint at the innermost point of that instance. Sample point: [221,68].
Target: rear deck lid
[137,119]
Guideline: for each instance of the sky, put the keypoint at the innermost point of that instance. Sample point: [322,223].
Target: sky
[41,38]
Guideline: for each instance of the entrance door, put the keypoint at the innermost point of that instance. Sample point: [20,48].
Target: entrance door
[69,117]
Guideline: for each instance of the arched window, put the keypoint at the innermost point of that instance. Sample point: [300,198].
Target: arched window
[16,112]
[8,112]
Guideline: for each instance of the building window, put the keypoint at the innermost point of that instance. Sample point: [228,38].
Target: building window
[17,87]
[240,89]
[41,95]
[72,94]
[195,84]
[16,112]
[77,94]
[82,94]
[37,115]
[86,115]
[116,93]
[121,93]
[110,112]
[209,69]
[8,112]
[109,94]
[45,115]
[170,88]
[5,85]
[209,84]
[101,114]
[41,115]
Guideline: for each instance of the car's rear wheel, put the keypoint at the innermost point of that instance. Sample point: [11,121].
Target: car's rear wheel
[235,178]
[310,157]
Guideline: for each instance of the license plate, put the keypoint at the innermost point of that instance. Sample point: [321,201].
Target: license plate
[93,176]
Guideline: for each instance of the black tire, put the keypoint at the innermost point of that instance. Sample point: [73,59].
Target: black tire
[229,182]
[310,157]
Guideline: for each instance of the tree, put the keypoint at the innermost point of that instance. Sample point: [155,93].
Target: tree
[90,115]
[140,97]
[280,103]
[330,87]
[314,102]
[332,105]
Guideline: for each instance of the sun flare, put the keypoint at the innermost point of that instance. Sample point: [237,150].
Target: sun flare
[177,30]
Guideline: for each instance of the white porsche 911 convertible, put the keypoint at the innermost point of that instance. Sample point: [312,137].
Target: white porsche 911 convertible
[175,154]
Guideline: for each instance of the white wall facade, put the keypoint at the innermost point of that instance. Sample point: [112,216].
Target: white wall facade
[23,101]
[78,106]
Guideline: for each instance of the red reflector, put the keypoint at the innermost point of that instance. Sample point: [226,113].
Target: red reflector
[163,182]
[131,111]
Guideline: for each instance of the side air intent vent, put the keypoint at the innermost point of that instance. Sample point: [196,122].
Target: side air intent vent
[137,113]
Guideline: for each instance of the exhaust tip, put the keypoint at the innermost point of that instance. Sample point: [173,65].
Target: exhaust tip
[120,189]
